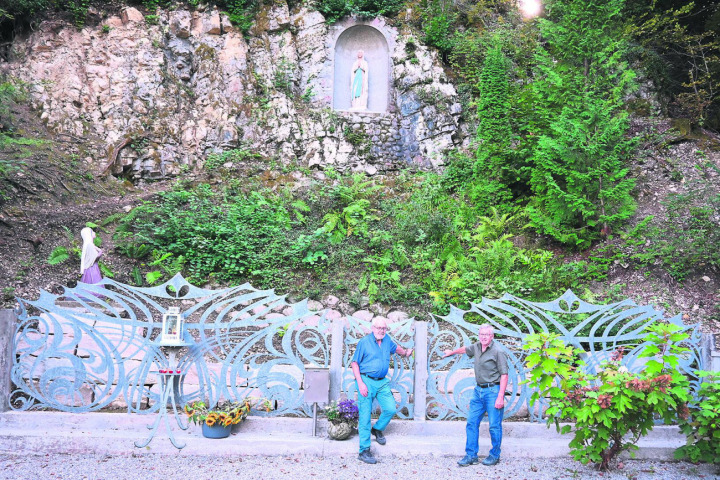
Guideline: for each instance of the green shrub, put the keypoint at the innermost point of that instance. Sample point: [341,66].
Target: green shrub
[26,9]
[228,238]
[613,408]
[702,425]
[687,240]
[334,10]
[240,12]
[237,156]
[439,25]
[284,76]
[458,171]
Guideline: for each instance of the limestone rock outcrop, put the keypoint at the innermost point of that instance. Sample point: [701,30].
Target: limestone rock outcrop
[154,99]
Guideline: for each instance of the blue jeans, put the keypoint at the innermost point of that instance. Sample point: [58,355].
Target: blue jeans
[484,401]
[379,389]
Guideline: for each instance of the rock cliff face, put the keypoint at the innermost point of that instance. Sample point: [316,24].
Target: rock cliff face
[154,100]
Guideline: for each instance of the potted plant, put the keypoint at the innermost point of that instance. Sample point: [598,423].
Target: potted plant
[217,421]
[343,418]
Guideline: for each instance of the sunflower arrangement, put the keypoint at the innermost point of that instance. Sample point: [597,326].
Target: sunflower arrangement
[224,413]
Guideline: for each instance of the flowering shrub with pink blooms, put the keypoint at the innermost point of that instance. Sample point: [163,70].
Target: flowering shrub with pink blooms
[613,408]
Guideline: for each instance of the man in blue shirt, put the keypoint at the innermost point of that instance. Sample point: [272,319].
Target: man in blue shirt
[370,365]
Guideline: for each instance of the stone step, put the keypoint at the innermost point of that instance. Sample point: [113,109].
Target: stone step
[114,433]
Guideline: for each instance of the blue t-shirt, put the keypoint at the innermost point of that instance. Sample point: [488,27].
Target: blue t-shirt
[374,359]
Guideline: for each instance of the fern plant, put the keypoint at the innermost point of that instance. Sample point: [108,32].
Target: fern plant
[58,255]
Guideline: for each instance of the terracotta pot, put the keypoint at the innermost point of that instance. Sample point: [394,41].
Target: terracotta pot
[340,431]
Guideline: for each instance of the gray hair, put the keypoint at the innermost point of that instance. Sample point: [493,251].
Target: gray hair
[486,326]
[379,320]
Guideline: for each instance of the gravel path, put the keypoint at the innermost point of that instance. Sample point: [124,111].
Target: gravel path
[152,466]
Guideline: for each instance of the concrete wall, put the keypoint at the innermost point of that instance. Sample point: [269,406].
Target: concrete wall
[7,331]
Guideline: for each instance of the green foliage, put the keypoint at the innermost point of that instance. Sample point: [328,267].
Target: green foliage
[334,10]
[579,173]
[136,251]
[421,246]
[439,25]
[353,215]
[684,241]
[211,235]
[308,95]
[351,220]
[491,269]
[152,277]
[58,255]
[702,426]
[78,9]
[358,139]
[19,9]
[459,171]
[680,56]
[237,156]
[12,91]
[613,408]
[111,219]
[136,276]
[383,271]
[284,76]
[105,270]
[493,166]
[240,12]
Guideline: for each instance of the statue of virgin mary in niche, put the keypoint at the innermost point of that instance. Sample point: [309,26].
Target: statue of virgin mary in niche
[359,83]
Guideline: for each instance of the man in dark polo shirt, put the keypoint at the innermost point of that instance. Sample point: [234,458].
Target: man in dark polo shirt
[370,365]
[491,375]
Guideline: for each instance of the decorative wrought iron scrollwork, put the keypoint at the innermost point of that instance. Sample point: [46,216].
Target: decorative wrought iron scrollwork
[597,329]
[101,345]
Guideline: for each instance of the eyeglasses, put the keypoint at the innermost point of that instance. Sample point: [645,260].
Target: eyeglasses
[485,334]
[380,329]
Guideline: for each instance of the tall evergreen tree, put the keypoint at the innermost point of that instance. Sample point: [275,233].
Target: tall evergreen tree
[493,159]
[579,167]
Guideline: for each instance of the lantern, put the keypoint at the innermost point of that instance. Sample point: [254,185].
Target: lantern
[172,327]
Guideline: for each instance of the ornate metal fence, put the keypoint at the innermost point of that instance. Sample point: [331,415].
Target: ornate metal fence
[598,329]
[243,342]
[97,346]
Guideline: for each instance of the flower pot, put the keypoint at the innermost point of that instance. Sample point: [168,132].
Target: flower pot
[340,431]
[215,431]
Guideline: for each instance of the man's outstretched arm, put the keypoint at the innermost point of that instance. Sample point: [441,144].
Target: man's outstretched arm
[457,351]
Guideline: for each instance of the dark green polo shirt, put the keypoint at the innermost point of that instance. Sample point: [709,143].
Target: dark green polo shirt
[490,364]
